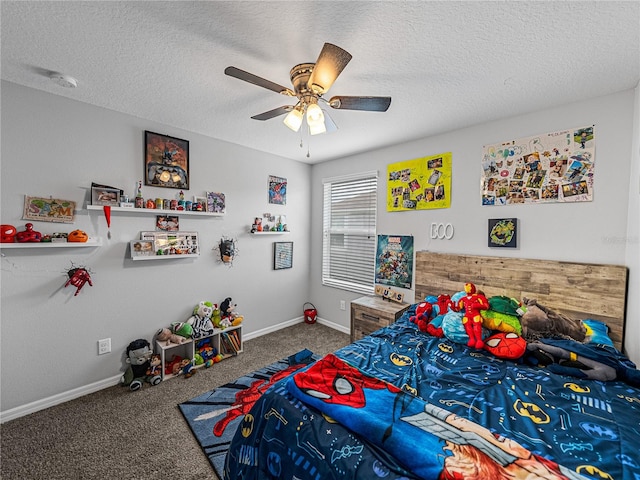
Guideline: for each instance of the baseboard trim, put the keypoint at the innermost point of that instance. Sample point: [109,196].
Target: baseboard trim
[63,397]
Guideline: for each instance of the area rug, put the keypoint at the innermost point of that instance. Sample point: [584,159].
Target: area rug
[214,416]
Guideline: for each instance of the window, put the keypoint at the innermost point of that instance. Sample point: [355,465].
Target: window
[349,232]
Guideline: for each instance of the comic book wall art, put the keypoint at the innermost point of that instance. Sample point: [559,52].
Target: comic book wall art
[394,260]
[551,167]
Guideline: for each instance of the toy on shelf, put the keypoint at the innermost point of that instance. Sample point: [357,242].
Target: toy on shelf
[183,329]
[78,276]
[167,337]
[200,321]
[472,303]
[29,235]
[77,236]
[229,316]
[207,352]
[139,363]
[8,233]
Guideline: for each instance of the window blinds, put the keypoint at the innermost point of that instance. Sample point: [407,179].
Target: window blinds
[349,232]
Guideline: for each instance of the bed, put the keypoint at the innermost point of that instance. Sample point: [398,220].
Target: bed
[402,403]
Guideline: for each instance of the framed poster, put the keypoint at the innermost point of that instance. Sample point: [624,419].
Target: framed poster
[394,260]
[215,202]
[277,190]
[282,255]
[166,161]
[503,232]
[49,210]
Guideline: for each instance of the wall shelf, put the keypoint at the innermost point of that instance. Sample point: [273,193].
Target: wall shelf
[155,211]
[269,233]
[92,242]
[164,257]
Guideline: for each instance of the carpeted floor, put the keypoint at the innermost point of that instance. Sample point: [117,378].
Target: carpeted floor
[119,434]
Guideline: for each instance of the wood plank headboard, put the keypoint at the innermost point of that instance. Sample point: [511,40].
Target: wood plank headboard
[579,290]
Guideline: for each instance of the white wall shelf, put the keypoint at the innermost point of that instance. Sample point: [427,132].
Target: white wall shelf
[269,233]
[154,211]
[92,242]
[165,257]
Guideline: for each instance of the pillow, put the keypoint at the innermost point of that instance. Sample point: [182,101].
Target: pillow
[502,304]
[597,332]
[453,328]
[501,322]
[506,345]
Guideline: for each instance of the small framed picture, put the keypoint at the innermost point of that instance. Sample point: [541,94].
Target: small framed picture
[282,255]
[167,223]
[216,202]
[201,201]
[503,232]
[142,248]
[105,196]
[166,161]
[277,190]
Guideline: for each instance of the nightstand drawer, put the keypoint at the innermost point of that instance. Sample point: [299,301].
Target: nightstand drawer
[369,314]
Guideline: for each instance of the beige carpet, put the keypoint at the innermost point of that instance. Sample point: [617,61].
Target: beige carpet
[118,434]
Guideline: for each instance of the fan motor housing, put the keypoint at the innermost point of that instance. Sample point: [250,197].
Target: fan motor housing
[300,77]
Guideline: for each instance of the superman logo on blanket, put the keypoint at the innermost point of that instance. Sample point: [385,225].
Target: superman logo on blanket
[430,441]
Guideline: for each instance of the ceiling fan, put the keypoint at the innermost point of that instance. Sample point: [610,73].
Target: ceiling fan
[310,82]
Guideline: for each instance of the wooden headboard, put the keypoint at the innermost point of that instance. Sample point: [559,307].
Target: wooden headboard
[579,290]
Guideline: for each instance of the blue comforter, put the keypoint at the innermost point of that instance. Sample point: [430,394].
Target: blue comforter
[567,426]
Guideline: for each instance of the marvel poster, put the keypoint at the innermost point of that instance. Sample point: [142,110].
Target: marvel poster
[394,260]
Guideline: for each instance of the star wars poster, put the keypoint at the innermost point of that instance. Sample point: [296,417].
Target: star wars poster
[552,167]
[419,184]
[394,260]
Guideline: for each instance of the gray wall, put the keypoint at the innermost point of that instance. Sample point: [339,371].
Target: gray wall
[601,231]
[56,147]
[52,146]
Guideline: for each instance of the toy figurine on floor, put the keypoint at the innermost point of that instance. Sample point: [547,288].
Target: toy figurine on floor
[139,359]
[472,303]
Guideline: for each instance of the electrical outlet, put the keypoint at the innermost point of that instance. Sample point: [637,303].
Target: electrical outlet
[104,346]
[343,305]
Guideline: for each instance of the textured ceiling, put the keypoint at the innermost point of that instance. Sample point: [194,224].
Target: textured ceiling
[446,65]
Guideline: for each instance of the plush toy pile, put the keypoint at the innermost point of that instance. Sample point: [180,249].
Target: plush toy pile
[526,331]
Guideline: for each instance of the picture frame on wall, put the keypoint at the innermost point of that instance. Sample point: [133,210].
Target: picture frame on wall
[105,196]
[277,190]
[503,232]
[49,209]
[282,255]
[166,161]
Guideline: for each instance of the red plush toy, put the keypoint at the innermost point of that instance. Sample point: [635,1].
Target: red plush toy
[472,303]
[422,316]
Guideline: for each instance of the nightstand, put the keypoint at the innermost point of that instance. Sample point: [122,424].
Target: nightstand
[369,314]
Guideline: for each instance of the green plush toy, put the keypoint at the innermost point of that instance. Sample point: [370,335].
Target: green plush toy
[183,329]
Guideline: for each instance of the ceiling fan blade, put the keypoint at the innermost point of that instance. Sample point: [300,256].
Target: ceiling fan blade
[330,63]
[259,81]
[371,104]
[329,123]
[276,112]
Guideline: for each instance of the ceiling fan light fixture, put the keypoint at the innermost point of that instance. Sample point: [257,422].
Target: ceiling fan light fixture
[317,128]
[314,115]
[293,120]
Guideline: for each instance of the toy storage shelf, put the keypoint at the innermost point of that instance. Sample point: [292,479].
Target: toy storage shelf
[92,242]
[155,211]
[269,233]
[188,349]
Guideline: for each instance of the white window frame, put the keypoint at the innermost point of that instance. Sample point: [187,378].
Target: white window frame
[349,232]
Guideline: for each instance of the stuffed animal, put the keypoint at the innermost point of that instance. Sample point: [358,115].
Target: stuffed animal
[540,321]
[227,313]
[167,337]
[155,364]
[182,328]
[139,362]
[507,345]
[422,316]
[200,321]
[472,303]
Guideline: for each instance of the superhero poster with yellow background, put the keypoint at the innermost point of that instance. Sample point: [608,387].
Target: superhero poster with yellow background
[419,184]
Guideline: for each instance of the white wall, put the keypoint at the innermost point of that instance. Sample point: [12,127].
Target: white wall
[52,146]
[582,232]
